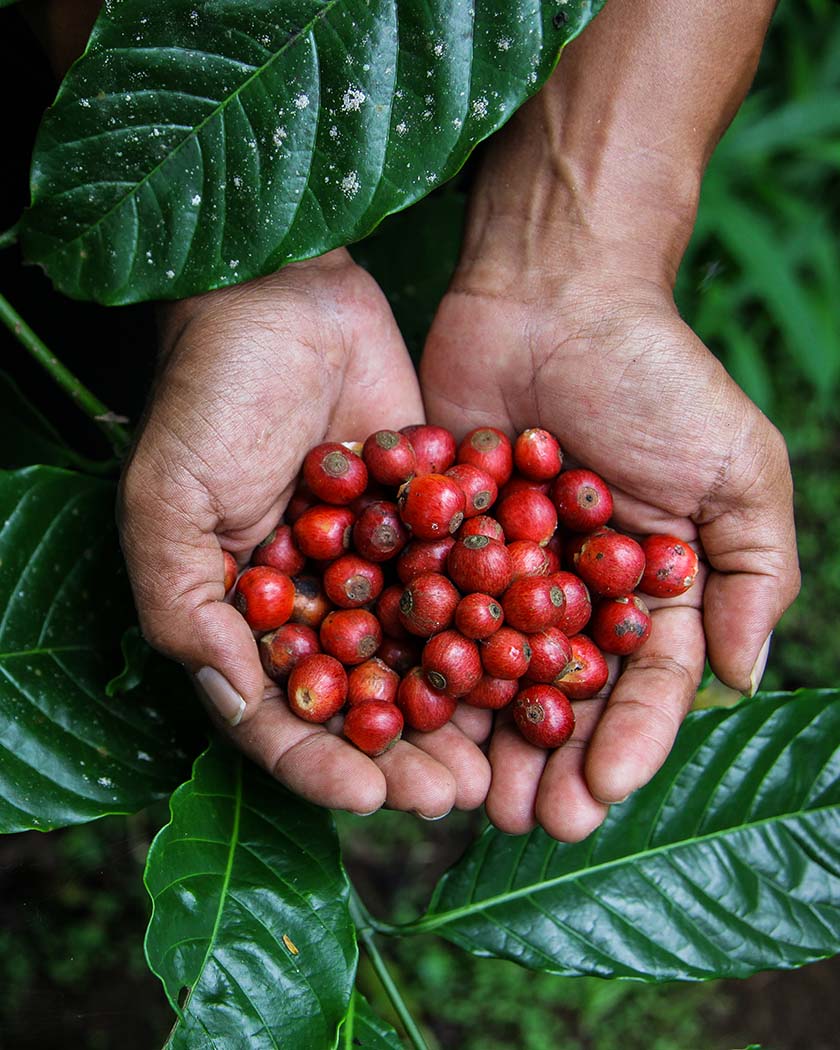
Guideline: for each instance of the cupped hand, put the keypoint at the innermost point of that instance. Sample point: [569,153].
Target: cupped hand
[251,378]
[607,365]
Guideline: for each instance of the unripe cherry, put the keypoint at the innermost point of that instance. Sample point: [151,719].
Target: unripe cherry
[479,488]
[551,651]
[528,559]
[317,688]
[334,473]
[478,563]
[432,506]
[544,716]
[427,605]
[620,625]
[537,454]
[424,556]
[424,707]
[527,515]
[373,726]
[280,551]
[231,570]
[311,603]
[388,611]
[478,615]
[586,673]
[533,603]
[506,654]
[265,597]
[483,525]
[670,566]
[434,447]
[400,654]
[389,457]
[578,605]
[582,499]
[492,694]
[351,581]
[379,533]
[610,563]
[323,532]
[282,649]
[372,680]
[451,663]
[351,635]
[489,449]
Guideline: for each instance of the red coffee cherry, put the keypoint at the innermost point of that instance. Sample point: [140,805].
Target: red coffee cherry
[351,581]
[578,606]
[478,615]
[372,680]
[483,525]
[432,506]
[490,450]
[670,566]
[492,693]
[527,515]
[478,563]
[389,457]
[302,499]
[351,635]
[388,612]
[551,652]
[323,532]
[311,603]
[424,556]
[434,447]
[519,484]
[480,490]
[334,473]
[528,559]
[427,605]
[379,533]
[586,673]
[373,726]
[400,654]
[451,663]
[544,716]
[620,625]
[506,654]
[424,707]
[280,551]
[610,563]
[583,500]
[317,688]
[282,649]
[533,603]
[537,454]
[231,570]
[265,597]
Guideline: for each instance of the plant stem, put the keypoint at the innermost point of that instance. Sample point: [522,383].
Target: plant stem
[88,402]
[365,928]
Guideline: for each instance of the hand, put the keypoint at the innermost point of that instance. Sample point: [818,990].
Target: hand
[604,362]
[251,378]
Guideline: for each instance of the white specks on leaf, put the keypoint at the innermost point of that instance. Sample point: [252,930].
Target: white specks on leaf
[302,101]
[333,132]
[439,50]
[401,128]
[278,135]
[85,102]
[352,99]
[196,200]
[350,184]
[105,782]
[479,107]
[170,274]
[503,43]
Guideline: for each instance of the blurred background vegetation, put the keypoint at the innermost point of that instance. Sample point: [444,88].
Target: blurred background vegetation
[761,284]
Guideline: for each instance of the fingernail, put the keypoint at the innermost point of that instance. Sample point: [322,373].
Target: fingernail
[369,813]
[423,816]
[757,672]
[221,695]
[616,802]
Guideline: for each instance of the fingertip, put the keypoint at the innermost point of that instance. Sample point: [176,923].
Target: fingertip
[573,819]
[416,781]
[464,760]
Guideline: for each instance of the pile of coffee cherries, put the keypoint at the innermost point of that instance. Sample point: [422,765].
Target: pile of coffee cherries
[412,572]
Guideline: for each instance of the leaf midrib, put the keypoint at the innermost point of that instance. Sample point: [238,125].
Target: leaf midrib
[196,129]
[433,921]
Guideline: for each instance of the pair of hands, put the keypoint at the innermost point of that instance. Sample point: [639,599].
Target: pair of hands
[252,377]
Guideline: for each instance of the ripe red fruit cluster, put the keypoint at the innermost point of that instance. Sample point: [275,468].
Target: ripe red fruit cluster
[412,572]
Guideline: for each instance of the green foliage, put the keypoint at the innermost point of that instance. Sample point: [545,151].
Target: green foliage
[192,148]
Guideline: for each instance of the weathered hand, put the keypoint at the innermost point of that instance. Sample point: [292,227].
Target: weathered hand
[251,378]
[608,366]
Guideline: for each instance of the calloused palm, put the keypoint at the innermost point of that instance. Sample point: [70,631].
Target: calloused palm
[633,394]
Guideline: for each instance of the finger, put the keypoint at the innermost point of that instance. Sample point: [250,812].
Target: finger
[565,807]
[417,782]
[647,705]
[517,767]
[457,753]
[474,722]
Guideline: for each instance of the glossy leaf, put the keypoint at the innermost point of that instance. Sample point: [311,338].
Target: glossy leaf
[197,144]
[363,1028]
[728,862]
[250,912]
[67,752]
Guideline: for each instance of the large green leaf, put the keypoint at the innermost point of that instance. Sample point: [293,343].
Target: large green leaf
[728,862]
[250,913]
[198,143]
[68,753]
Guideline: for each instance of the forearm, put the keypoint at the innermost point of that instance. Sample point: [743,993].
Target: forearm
[613,149]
